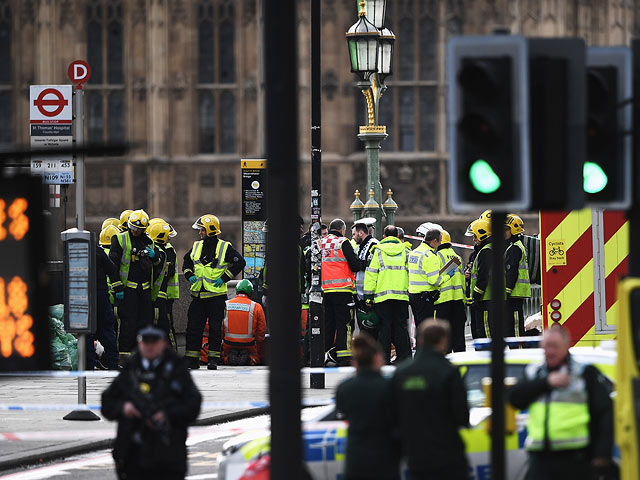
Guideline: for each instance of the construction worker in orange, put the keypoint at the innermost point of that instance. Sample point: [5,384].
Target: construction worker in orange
[243,329]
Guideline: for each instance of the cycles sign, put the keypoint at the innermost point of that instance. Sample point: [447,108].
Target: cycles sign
[556,253]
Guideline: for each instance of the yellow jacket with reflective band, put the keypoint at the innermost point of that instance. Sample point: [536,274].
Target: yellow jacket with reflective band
[386,277]
[452,288]
[522,289]
[335,272]
[173,287]
[562,414]
[111,297]
[125,262]
[486,295]
[206,274]
[424,270]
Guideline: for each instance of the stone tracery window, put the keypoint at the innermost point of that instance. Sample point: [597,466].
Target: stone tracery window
[217,87]
[104,103]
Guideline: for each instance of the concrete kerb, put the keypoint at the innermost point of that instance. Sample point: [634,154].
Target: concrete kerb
[51,453]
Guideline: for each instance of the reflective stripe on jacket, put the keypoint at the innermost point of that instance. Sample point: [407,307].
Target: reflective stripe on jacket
[173,287]
[424,270]
[387,277]
[452,288]
[207,274]
[335,272]
[486,294]
[124,240]
[560,417]
[244,323]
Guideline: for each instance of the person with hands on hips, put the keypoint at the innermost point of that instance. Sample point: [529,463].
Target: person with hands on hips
[570,424]
[208,266]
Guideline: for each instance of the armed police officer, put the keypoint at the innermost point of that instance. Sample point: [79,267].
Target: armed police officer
[154,400]
[208,266]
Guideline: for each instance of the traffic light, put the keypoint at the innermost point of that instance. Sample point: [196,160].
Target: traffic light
[557,110]
[607,168]
[488,123]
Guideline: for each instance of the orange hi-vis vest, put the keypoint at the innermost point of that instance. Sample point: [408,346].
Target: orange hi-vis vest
[244,324]
[336,274]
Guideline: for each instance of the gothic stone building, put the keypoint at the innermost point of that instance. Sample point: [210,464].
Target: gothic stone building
[181,80]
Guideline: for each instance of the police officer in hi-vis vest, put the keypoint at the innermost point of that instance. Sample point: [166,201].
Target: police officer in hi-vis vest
[570,424]
[208,266]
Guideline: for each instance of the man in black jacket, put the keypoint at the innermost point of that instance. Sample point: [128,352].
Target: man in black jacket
[429,402]
[364,401]
[570,424]
[154,400]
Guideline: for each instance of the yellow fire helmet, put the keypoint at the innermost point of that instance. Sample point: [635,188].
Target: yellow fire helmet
[159,232]
[480,228]
[138,219]
[209,223]
[124,219]
[446,238]
[162,220]
[107,234]
[486,215]
[110,221]
[515,224]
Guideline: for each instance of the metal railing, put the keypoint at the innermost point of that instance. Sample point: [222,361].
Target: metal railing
[533,304]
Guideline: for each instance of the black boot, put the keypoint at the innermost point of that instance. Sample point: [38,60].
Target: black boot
[192,363]
[213,363]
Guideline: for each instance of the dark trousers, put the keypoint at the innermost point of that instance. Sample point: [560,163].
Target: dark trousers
[482,320]
[133,313]
[394,315]
[172,334]
[199,311]
[453,472]
[422,310]
[514,326]
[559,465]
[105,333]
[455,313]
[162,320]
[338,323]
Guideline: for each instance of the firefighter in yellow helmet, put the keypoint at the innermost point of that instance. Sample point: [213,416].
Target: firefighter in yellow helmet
[138,259]
[106,273]
[110,221]
[124,220]
[480,278]
[165,287]
[208,266]
[517,283]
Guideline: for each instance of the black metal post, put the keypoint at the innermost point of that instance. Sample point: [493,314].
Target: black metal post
[316,316]
[281,145]
[497,316]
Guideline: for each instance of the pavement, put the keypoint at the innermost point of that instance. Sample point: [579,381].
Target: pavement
[36,436]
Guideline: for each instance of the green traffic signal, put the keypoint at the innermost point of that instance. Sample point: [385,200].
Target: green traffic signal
[483,178]
[594,177]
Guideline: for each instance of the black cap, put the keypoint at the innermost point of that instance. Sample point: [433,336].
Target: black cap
[151,334]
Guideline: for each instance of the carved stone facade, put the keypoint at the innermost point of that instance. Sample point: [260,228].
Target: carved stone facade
[181,81]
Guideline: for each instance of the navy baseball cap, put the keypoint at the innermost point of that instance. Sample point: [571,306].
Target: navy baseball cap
[151,334]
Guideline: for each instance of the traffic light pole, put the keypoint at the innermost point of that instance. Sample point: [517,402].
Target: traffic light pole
[497,316]
[316,318]
[281,145]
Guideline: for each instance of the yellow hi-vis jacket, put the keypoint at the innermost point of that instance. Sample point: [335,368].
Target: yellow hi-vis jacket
[387,276]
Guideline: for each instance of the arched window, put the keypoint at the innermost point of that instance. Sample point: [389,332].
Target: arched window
[217,89]
[408,107]
[105,50]
[6,75]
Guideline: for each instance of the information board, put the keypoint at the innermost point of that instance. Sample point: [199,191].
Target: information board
[24,328]
[254,215]
[79,280]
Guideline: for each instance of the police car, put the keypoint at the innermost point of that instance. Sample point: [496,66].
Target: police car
[325,434]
